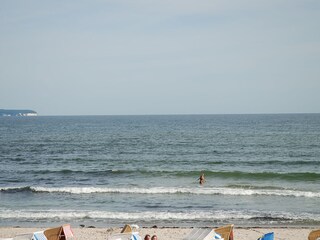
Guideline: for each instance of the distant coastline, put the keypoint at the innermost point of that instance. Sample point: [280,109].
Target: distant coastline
[17,113]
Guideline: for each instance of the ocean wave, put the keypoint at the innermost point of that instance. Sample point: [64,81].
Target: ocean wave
[235,191]
[34,215]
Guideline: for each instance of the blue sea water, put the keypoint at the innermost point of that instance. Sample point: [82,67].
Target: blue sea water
[261,170]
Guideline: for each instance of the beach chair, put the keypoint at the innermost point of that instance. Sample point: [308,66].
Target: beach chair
[39,236]
[126,229]
[67,233]
[267,236]
[127,233]
[226,232]
[201,234]
[53,233]
[314,235]
[60,233]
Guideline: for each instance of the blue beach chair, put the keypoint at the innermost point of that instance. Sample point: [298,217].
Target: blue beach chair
[267,236]
[39,236]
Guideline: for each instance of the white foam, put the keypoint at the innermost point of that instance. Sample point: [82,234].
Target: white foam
[177,190]
[173,190]
[33,215]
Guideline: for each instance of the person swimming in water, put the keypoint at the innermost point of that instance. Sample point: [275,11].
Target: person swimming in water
[201,179]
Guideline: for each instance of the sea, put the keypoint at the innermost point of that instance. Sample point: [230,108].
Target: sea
[105,171]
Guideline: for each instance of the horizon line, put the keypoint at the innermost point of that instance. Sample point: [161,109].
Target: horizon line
[172,114]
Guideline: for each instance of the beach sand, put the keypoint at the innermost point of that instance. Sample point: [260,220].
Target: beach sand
[168,233]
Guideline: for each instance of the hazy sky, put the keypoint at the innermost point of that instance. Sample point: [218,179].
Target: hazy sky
[160,57]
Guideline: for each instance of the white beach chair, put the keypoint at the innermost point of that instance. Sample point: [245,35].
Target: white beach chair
[201,234]
[28,236]
[39,236]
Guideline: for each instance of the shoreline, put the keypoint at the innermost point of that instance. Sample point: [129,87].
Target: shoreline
[166,233]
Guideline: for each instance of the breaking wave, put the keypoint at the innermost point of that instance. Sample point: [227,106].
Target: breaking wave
[38,215]
[235,191]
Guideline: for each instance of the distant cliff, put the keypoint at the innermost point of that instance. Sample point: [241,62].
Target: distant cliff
[16,113]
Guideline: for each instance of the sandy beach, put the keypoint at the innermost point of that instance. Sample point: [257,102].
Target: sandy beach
[168,233]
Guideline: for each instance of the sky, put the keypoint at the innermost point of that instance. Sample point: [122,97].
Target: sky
[128,57]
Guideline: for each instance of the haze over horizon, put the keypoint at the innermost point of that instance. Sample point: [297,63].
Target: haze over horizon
[160,57]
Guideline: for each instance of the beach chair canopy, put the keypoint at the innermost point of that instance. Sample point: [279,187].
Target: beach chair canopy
[267,236]
[314,235]
[201,234]
[59,233]
[126,229]
[53,233]
[226,232]
[67,232]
